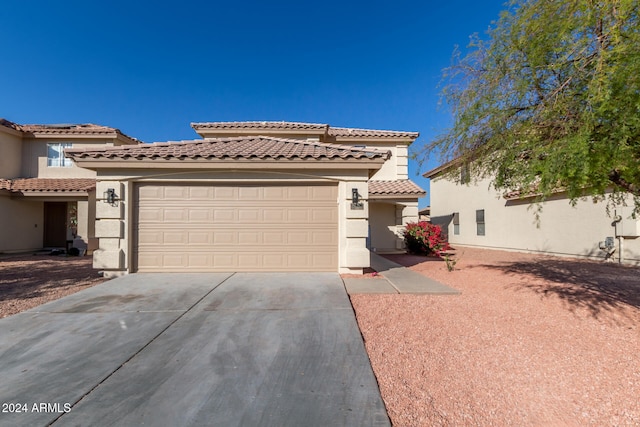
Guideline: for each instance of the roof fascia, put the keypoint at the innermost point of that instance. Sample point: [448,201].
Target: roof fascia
[398,197]
[213,132]
[58,195]
[374,140]
[71,135]
[443,167]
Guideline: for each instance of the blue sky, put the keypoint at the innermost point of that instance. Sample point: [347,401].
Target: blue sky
[152,68]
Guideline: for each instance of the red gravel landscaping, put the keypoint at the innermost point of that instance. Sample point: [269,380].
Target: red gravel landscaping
[531,341]
[27,281]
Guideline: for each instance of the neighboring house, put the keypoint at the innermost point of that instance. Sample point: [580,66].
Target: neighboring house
[45,200]
[252,196]
[425,214]
[474,214]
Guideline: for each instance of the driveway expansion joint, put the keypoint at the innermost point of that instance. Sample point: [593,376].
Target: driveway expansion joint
[142,348]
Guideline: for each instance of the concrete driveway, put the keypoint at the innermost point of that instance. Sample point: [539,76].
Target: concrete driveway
[243,349]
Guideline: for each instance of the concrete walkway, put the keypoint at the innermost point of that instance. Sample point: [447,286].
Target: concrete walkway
[399,279]
[191,350]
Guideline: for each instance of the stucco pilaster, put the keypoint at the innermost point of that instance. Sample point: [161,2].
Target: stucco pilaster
[354,226]
[110,228]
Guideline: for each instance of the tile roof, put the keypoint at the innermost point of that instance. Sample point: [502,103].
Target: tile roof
[9,124]
[288,126]
[260,125]
[48,184]
[400,187]
[246,147]
[87,128]
[370,133]
[66,129]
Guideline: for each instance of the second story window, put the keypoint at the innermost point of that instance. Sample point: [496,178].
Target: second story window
[55,155]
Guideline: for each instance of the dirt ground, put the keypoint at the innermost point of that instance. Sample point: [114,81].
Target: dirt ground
[27,281]
[531,341]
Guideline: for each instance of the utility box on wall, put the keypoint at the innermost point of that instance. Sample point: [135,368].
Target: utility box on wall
[627,226]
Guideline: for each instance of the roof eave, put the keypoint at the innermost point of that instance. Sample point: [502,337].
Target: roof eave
[374,139]
[11,131]
[74,135]
[396,196]
[443,167]
[50,193]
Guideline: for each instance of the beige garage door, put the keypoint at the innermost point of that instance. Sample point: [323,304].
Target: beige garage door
[236,228]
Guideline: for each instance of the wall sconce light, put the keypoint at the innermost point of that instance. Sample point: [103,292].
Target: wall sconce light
[355,199]
[110,196]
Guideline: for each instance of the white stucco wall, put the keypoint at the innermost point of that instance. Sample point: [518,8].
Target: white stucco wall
[511,225]
[396,167]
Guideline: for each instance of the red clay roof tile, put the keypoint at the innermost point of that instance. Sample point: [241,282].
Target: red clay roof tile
[401,187]
[48,184]
[259,125]
[370,133]
[329,130]
[247,147]
[65,129]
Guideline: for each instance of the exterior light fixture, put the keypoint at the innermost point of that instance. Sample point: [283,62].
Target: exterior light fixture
[355,199]
[110,196]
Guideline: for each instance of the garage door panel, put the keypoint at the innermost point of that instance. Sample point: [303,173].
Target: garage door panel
[249,193]
[285,236]
[323,193]
[224,238]
[200,193]
[146,215]
[249,238]
[199,215]
[236,228]
[174,215]
[150,193]
[200,238]
[324,216]
[176,192]
[249,215]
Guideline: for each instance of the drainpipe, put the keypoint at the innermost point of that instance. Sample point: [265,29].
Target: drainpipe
[616,220]
[621,249]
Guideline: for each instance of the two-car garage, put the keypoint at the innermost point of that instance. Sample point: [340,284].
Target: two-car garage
[199,227]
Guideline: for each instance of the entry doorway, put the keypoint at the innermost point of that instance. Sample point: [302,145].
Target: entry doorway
[55,225]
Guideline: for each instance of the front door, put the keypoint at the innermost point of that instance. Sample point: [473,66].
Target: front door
[55,224]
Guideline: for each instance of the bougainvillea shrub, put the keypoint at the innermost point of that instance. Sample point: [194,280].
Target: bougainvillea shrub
[425,238]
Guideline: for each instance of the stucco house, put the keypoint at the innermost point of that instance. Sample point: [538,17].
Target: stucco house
[474,214]
[45,199]
[251,196]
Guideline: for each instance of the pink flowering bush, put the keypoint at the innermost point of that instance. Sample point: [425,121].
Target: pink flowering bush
[425,238]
